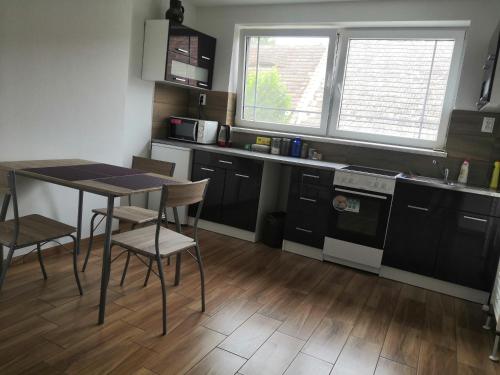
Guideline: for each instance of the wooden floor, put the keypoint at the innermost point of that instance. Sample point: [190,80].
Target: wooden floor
[268,312]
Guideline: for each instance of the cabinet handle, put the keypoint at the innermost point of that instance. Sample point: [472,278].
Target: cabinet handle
[418,208]
[303,230]
[308,199]
[180,79]
[309,175]
[241,175]
[225,162]
[207,169]
[202,84]
[205,58]
[475,219]
[182,50]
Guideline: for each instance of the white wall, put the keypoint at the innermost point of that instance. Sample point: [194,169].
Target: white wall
[483,14]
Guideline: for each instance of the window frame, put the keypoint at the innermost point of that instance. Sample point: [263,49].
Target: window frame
[334,79]
[331,33]
[444,33]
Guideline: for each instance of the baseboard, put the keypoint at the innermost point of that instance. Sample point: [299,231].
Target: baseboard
[225,229]
[304,250]
[435,285]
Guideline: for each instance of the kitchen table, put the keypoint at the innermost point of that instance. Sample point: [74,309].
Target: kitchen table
[97,178]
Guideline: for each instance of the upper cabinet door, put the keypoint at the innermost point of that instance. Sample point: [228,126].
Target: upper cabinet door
[178,39]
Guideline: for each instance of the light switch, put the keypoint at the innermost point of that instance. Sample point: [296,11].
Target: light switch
[488,124]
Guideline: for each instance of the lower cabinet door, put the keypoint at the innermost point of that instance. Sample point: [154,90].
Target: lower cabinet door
[413,237]
[468,253]
[212,207]
[241,199]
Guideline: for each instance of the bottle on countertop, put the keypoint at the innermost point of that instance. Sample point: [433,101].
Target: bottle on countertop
[495,175]
[464,172]
[296,147]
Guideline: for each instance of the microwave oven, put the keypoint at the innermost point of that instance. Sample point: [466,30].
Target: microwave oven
[192,130]
[489,99]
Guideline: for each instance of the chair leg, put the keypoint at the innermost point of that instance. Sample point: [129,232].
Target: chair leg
[91,240]
[178,269]
[164,294]
[202,277]
[40,260]
[5,265]
[149,272]
[75,267]
[125,269]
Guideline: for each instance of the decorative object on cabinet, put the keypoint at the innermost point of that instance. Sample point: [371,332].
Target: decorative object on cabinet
[176,12]
[177,54]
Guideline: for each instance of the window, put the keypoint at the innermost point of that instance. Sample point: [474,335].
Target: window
[283,81]
[394,86]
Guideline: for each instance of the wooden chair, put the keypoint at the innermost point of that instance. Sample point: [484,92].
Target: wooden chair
[132,214]
[158,242]
[28,230]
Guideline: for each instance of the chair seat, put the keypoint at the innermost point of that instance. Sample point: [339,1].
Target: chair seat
[143,241]
[34,229]
[131,214]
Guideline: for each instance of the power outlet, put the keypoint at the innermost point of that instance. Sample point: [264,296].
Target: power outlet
[488,124]
[203,99]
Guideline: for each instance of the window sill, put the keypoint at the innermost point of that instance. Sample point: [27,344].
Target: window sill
[347,142]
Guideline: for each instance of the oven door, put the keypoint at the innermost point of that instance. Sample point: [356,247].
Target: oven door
[183,129]
[359,216]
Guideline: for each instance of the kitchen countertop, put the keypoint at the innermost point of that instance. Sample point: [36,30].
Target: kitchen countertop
[254,155]
[418,180]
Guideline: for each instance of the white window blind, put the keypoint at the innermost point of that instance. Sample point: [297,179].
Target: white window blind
[395,87]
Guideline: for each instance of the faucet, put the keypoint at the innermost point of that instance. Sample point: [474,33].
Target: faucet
[444,172]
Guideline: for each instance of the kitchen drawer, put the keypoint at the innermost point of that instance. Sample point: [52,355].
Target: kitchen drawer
[421,197]
[312,176]
[307,198]
[474,203]
[302,228]
[243,165]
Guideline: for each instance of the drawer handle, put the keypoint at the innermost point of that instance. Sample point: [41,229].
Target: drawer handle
[309,175]
[207,169]
[308,199]
[303,230]
[241,175]
[202,84]
[182,50]
[225,162]
[180,79]
[206,58]
[418,208]
[475,219]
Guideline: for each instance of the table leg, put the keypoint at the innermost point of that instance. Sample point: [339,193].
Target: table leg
[106,258]
[79,222]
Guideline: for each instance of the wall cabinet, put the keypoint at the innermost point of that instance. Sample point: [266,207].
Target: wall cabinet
[234,189]
[178,54]
[445,234]
[309,199]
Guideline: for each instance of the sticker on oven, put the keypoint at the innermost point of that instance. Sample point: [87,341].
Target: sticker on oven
[343,204]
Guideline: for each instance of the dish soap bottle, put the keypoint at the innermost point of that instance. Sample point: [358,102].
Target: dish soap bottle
[494,176]
[464,172]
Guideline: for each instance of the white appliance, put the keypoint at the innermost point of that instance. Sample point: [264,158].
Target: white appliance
[182,157]
[361,205]
[192,130]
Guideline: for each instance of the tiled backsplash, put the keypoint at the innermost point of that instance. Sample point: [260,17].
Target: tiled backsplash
[465,139]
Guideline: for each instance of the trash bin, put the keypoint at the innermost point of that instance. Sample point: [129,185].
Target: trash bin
[274,226]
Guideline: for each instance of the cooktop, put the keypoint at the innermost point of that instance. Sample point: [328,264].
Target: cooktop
[375,171]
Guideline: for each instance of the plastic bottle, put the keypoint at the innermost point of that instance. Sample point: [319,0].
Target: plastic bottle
[494,176]
[464,172]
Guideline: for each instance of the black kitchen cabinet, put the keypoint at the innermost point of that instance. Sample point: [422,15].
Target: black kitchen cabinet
[234,189]
[445,234]
[241,199]
[468,252]
[309,199]
[176,53]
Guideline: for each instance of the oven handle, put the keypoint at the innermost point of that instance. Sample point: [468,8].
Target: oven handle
[360,193]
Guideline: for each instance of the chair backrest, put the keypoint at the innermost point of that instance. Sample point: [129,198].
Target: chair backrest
[153,166]
[8,190]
